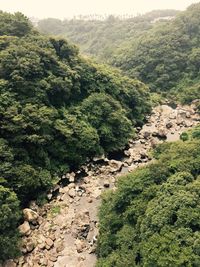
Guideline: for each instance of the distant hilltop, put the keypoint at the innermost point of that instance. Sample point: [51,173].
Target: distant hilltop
[167,14]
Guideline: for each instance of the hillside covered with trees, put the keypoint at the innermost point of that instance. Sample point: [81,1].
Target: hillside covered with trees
[56,110]
[164,54]
[167,56]
[101,38]
[153,218]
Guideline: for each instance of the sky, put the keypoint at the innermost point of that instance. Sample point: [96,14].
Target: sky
[68,8]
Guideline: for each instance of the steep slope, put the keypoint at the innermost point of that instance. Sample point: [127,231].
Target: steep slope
[167,56]
[56,110]
[100,38]
[164,55]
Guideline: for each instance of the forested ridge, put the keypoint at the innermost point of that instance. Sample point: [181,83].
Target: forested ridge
[101,38]
[164,55]
[56,110]
[167,56]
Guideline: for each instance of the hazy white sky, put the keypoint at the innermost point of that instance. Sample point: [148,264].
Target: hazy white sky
[68,8]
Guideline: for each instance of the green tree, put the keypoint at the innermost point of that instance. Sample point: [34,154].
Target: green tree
[9,218]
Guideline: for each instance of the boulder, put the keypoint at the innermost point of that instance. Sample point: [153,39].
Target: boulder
[72,185]
[72,193]
[30,215]
[100,159]
[172,116]
[188,114]
[143,153]
[169,125]
[10,263]
[25,228]
[27,246]
[146,134]
[106,184]
[71,177]
[49,243]
[33,206]
[179,121]
[80,245]
[115,165]
[161,133]
[30,246]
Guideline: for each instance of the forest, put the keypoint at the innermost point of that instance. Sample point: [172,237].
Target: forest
[164,54]
[59,108]
[101,38]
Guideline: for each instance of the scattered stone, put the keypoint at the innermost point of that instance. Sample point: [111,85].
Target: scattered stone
[172,116]
[81,258]
[143,154]
[41,246]
[53,258]
[49,264]
[73,230]
[179,121]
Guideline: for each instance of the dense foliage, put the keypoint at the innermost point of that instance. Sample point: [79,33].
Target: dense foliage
[56,110]
[167,56]
[163,54]
[152,219]
[101,38]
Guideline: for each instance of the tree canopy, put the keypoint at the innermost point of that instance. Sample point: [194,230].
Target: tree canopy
[152,219]
[101,38]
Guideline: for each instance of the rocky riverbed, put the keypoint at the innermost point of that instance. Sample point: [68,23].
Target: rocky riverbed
[63,233]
